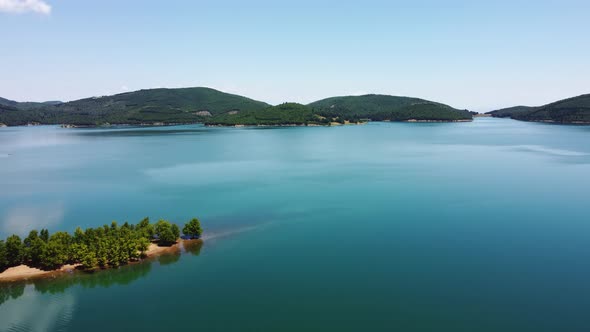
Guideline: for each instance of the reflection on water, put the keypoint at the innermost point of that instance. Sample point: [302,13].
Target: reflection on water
[33,311]
[11,291]
[140,132]
[123,275]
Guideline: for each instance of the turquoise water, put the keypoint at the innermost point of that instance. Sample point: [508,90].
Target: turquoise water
[479,226]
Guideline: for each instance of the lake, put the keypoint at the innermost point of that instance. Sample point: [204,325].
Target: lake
[480,226]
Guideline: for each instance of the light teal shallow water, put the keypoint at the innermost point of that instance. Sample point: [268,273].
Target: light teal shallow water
[479,226]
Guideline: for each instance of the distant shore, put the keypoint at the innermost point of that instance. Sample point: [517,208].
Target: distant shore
[415,120]
[584,123]
[109,125]
[335,124]
[24,272]
[163,124]
[332,124]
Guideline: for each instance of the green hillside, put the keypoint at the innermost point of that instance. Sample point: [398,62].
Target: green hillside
[284,114]
[574,110]
[26,105]
[186,105]
[383,107]
[13,116]
[510,111]
[191,105]
[8,102]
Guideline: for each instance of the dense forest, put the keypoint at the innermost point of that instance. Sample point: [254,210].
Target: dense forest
[391,108]
[284,114]
[110,245]
[186,105]
[209,106]
[574,110]
[510,111]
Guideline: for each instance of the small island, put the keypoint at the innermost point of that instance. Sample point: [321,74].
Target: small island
[41,254]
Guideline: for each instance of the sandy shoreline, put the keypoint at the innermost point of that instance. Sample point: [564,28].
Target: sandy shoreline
[24,272]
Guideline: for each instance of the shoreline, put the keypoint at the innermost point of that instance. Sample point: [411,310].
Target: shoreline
[551,122]
[24,272]
[336,124]
[164,124]
[577,123]
[437,121]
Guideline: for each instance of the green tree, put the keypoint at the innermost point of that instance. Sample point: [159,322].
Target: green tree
[145,228]
[175,231]
[33,235]
[79,235]
[58,251]
[102,252]
[165,232]
[54,255]
[3,260]
[34,248]
[88,258]
[44,235]
[36,251]
[14,250]
[143,245]
[193,228]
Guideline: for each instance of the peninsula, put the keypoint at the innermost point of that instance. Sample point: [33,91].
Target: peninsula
[41,254]
[574,110]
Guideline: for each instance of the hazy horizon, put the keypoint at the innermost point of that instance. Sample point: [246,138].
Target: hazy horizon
[476,56]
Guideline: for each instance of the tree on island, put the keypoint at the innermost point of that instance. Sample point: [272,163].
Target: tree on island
[44,235]
[34,248]
[166,233]
[14,250]
[145,228]
[109,245]
[3,261]
[193,229]
[175,231]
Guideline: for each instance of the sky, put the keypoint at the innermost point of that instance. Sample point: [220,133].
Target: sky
[477,55]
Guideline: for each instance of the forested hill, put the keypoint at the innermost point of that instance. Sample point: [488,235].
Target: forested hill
[25,105]
[510,111]
[7,102]
[205,105]
[384,107]
[284,114]
[574,110]
[184,105]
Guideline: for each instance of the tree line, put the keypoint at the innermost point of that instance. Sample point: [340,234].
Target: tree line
[109,245]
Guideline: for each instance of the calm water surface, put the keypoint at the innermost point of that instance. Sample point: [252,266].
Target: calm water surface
[479,226]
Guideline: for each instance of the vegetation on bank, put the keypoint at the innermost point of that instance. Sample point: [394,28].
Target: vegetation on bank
[572,110]
[284,114]
[107,278]
[109,245]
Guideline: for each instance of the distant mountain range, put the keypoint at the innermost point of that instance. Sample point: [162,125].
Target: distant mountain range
[574,110]
[205,105]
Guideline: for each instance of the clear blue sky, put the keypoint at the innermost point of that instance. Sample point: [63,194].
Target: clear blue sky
[475,55]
